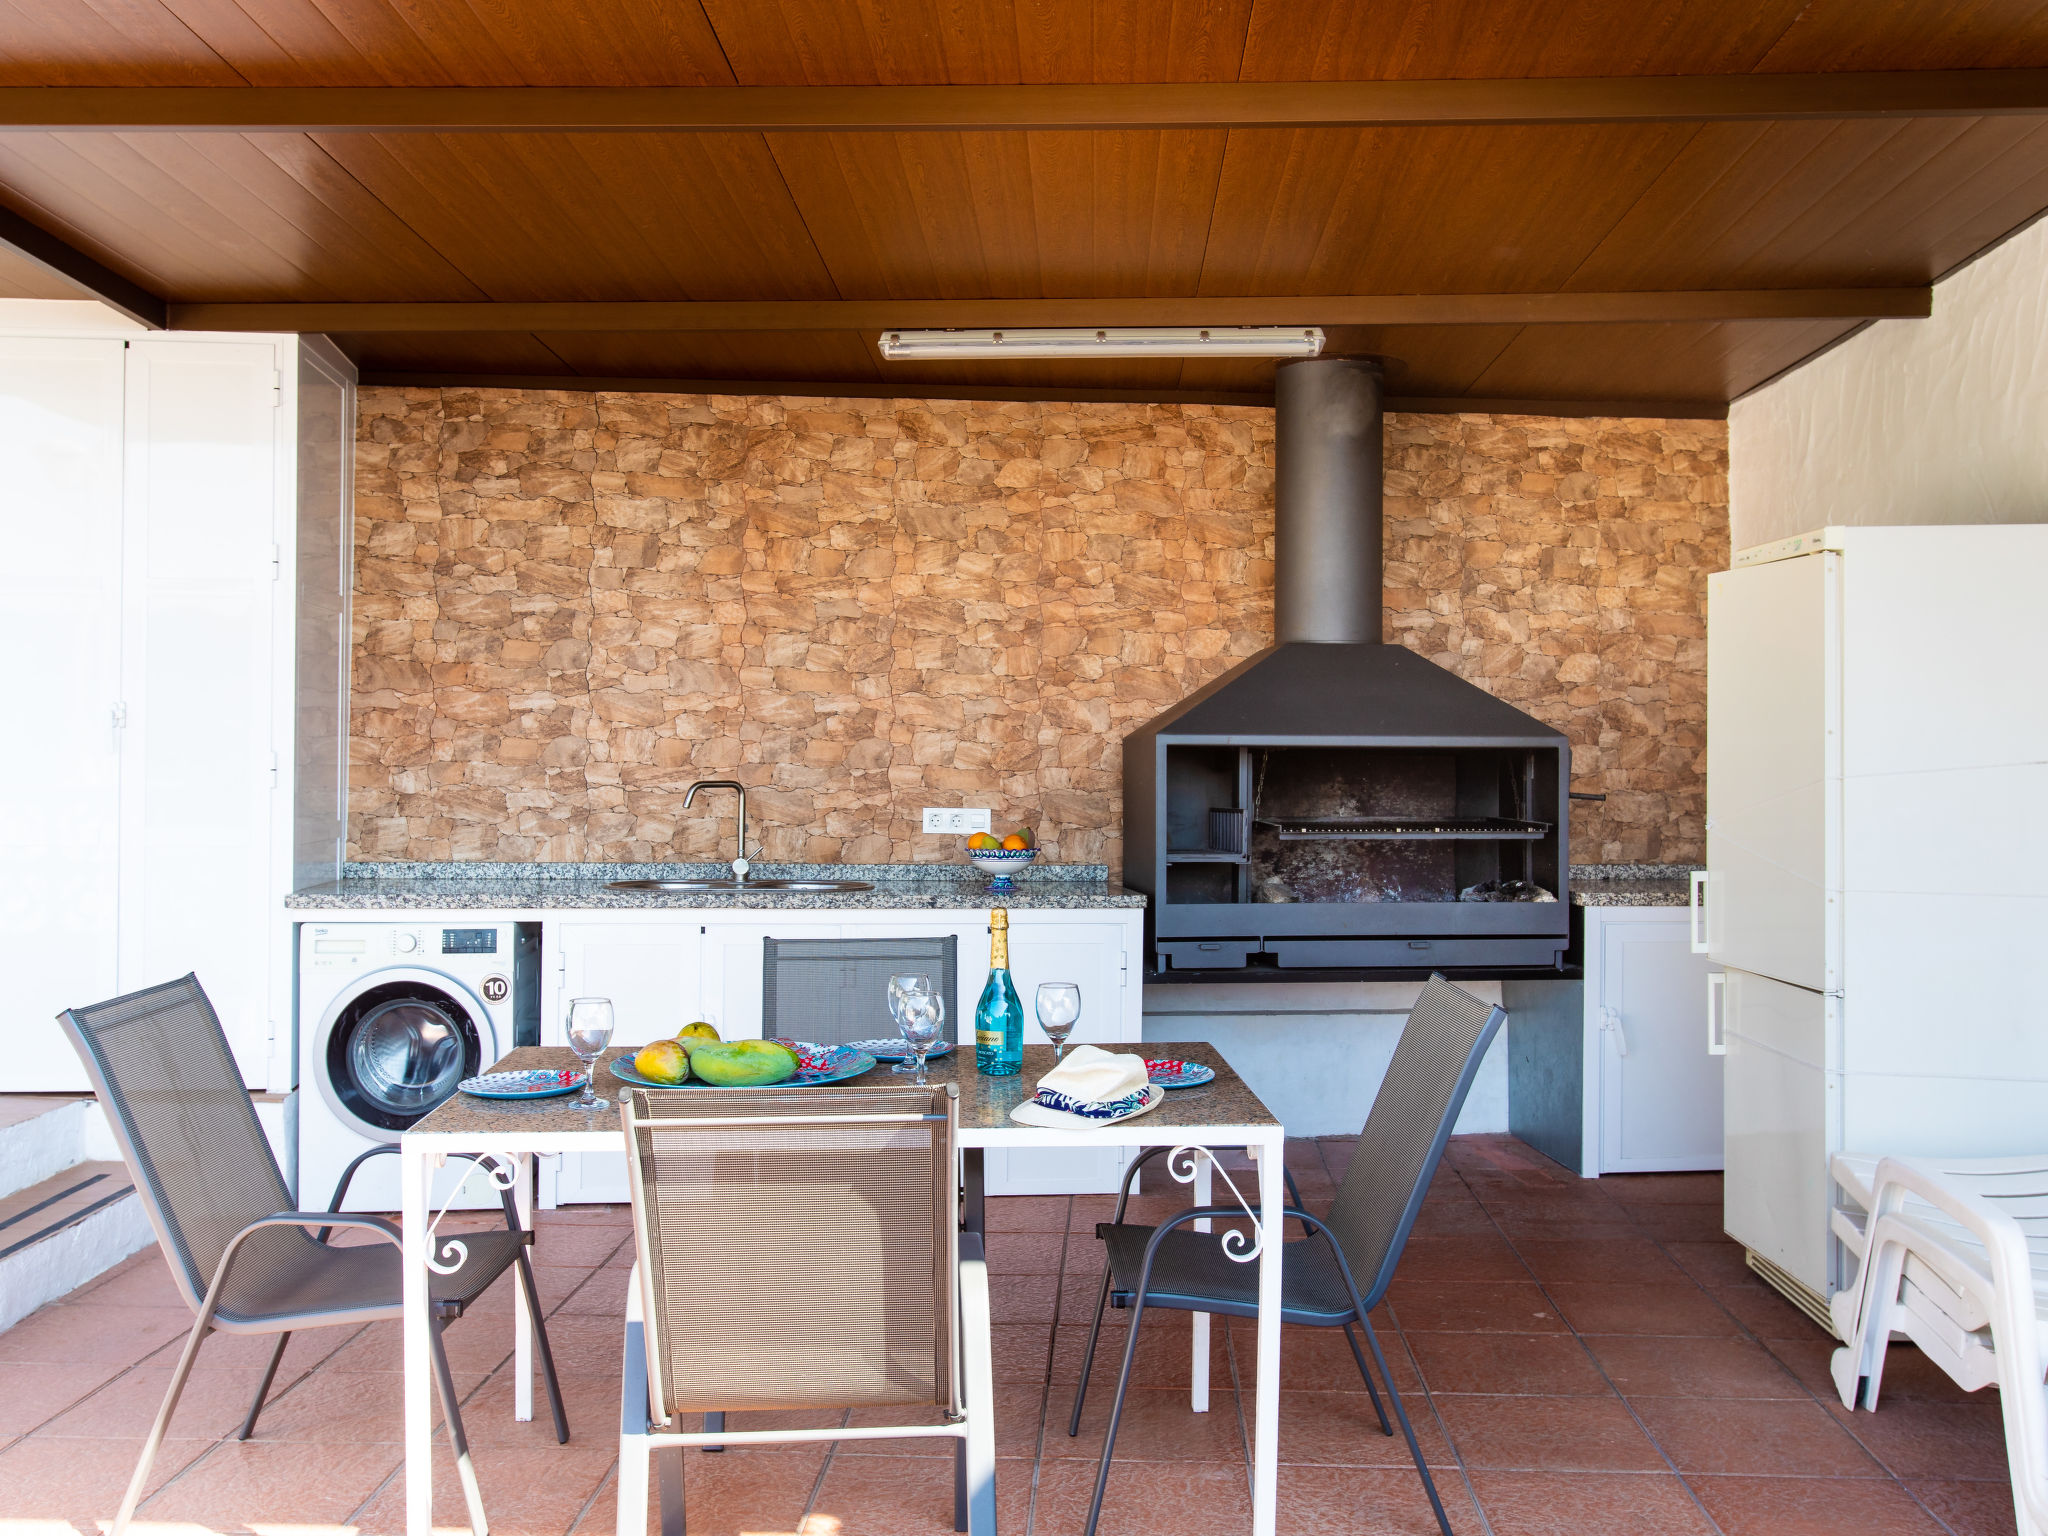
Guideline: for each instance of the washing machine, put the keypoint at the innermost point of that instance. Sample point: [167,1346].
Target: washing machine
[392,1015]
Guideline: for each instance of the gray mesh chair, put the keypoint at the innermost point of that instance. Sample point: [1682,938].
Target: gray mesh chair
[831,991]
[841,1204]
[1337,1274]
[240,1254]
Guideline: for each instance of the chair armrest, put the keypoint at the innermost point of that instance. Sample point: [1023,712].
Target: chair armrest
[391,1147]
[325,1220]
[1123,1190]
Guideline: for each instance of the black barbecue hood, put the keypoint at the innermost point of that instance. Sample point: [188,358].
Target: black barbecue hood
[1334,803]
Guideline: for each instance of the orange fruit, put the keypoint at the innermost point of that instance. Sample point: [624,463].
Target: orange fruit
[1015,843]
[981,842]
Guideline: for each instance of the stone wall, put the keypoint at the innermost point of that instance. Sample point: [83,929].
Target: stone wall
[569,606]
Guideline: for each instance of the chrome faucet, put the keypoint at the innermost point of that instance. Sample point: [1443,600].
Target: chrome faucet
[739,865]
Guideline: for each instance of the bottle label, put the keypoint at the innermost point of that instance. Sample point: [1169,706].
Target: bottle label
[989,1039]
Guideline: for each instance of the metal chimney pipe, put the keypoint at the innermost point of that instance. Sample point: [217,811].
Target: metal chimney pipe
[1329,517]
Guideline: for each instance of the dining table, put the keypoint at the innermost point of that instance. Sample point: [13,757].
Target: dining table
[1194,1123]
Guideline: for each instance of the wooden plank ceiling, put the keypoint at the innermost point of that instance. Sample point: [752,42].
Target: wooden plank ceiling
[1193,214]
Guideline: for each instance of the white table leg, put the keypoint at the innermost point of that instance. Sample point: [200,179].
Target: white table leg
[413,1169]
[1266,1414]
[1198,1392]
[522,1315]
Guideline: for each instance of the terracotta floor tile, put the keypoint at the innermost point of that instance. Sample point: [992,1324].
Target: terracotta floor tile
[1338,1429]
[142,1280]
[591,1402]
[579,1244]
[230,1351]
[1610,1260]
[1588,1504]
[1808,1506]
[1455,1216]
[760,1492]
[1158,1425]
[335,1407]
[1030,1213]
[1753,1437]
[1669,1310]
[1477,1308]
[601,1294]
[1767,1314]
[1933,1440]
[1318,1359]
[1019,1408]
[1718,1262]
[1019,1350]
[240,1485]
[1160,1498]
[1969,1509]
[1023,1298]
[1662,1367]
[1165,1351]
[213,1404]
[557,1282]
[81,1481]
[1544,1364]
[882,1496]
[1909,1376]
[1665,1188]
[1678,1223]
[1382,1501]
[30,1395]
[1032,1253]
[1459,1259]
[1548,1434]
[380,1347]
[1592,1227]
[64,1333]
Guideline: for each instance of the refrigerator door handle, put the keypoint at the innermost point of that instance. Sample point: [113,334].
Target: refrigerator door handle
[1695,909]
[1717,1037]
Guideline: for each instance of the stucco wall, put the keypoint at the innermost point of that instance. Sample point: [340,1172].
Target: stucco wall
[1943,420]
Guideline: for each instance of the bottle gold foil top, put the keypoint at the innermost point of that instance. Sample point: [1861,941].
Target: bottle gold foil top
[999,938]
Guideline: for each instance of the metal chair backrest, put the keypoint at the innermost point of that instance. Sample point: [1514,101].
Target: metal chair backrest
[830,991]
[798,1248]
[160,1063]
[1441,1046]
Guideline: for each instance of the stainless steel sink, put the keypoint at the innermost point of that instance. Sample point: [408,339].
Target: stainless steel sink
[742,885]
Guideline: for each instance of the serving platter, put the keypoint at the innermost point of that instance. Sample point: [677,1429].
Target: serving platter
[533,1083]
[824,1064]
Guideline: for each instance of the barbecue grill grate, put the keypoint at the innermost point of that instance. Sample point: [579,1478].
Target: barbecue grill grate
[1406,828]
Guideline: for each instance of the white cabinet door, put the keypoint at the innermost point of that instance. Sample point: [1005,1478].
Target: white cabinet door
[1778,1115]
[653,974]
[1660,1090]
[733,956]
[198,888]
[60,621]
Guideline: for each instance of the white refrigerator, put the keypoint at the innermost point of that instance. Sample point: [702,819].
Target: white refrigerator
[1876,887]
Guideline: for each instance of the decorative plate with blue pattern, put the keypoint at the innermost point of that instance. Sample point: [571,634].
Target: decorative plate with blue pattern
[534,1083]
[1172,1072]
[822,1064]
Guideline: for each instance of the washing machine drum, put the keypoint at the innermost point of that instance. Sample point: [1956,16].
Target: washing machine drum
[397,1051]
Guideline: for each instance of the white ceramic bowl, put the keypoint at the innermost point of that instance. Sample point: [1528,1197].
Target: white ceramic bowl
[1000,861]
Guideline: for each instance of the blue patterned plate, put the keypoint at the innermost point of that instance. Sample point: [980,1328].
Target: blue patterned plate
[535,1083]
[896,1050]
[1172,1073]
[823,1064]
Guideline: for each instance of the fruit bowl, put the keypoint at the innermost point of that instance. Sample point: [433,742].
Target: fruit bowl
[1000,862]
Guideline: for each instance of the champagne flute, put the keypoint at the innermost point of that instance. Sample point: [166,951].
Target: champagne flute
[924,1020]
[589,1031]
[1059,1009]
[906,993]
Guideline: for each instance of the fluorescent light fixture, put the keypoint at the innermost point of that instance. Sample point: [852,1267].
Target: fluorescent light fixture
[1110,341]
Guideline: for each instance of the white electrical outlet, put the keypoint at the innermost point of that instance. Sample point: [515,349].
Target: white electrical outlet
[955,818]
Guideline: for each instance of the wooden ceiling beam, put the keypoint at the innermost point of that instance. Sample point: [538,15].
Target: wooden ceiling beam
[33,243]
[975,108]
[975,314]
[826,389]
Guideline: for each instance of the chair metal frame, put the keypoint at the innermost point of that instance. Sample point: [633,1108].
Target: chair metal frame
[1362,1303]
[649,1449]
[206,1306]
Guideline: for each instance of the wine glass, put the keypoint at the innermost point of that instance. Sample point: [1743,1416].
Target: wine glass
[905,991]
[1059,1008]
[589,1031]
[923,1021]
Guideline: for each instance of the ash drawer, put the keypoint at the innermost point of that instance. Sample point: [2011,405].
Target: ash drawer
[1208,954]
[1350,954]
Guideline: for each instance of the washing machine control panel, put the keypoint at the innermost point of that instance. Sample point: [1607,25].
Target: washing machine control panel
[469,941]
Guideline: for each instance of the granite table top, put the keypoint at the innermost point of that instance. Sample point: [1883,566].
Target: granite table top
[985,1102]
[1632,885]
[543,887]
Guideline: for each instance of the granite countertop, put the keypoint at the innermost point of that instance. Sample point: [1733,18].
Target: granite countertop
[530,887]
[985,1102]
[1632,885]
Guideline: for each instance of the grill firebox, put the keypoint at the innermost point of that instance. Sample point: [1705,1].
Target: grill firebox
[1334,803]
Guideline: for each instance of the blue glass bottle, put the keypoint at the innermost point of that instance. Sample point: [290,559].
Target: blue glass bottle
[999,1017]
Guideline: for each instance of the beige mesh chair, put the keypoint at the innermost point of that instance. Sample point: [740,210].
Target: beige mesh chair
[842,1205]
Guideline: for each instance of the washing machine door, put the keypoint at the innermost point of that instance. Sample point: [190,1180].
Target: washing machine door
[395,1045]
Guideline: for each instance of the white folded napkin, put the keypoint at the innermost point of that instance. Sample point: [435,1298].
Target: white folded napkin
[1090,1087]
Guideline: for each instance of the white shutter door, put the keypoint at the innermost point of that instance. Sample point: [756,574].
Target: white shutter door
[199,891]
[60,622]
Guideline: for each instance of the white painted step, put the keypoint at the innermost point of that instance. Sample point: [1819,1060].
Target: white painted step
[57,1234]
[42,1134]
